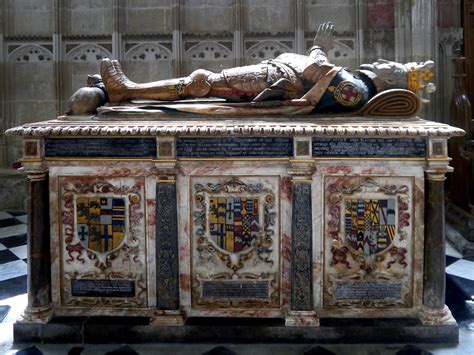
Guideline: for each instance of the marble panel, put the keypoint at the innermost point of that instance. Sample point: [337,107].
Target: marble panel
[369,242]
[103,249]
[235,242]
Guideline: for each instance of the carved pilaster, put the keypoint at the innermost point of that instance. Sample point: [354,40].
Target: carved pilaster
[434,311]
[302,304]
[39,254]
[167,254]
[167,270]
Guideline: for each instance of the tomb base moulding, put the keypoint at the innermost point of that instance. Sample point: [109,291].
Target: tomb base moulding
[307,224]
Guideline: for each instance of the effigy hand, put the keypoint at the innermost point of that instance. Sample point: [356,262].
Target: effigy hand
[325,36]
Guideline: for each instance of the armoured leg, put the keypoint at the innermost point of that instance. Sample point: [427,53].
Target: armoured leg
[121,88]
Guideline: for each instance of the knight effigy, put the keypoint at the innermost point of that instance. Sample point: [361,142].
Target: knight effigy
[288,84]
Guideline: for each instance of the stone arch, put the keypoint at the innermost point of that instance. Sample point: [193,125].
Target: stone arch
[267,50]
[208,51]
[148,52]
[88,53]
[31,53]
[340,51]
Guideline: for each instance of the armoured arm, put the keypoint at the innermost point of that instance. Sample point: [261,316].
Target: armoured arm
[322,43]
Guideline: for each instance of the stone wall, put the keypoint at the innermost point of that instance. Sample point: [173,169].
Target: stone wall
[47,47]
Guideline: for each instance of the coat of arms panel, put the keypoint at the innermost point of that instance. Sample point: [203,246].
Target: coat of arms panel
[235,242]
[103,242]
[369,242]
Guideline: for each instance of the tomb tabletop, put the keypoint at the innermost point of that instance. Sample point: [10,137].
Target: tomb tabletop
[91,126]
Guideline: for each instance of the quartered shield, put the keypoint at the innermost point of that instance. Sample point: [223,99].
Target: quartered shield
[100,222]
[234,222]
[369,224]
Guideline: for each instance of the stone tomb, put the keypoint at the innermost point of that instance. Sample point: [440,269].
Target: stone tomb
[325,229]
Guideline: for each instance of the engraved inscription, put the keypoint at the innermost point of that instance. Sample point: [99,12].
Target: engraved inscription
[369,147]
[368,290]
[234,147]
[102,288]
[100,147]
[235,289]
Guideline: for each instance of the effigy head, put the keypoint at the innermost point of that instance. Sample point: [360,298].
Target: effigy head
[411,76]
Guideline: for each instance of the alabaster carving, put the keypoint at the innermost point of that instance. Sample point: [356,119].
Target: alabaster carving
[288,84]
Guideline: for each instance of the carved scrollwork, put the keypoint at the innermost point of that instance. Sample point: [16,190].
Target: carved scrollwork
[98,264]
[374,254]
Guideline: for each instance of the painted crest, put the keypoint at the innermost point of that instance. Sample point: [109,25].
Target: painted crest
[100,222]
[234,222]
[369,224]
[347,94]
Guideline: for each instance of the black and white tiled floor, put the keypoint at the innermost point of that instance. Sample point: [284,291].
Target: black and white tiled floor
[13,271]
[13,254]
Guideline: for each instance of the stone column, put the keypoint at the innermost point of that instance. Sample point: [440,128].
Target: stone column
[434,311]
[39,307]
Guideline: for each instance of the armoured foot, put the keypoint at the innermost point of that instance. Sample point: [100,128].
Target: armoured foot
[116,82]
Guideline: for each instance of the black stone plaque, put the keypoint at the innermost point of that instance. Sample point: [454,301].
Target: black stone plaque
[227,147]
[235,289]
[100,147]
[369,147]
[368,290]
[102,288]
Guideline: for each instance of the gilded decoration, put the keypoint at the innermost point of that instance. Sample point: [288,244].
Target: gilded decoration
[102,224]
[235,239]
[369,242]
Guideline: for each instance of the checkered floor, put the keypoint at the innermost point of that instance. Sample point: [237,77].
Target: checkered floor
[13,254]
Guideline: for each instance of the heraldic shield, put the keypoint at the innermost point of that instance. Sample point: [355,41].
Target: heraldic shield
[234,222]
[369,224]
[100,222]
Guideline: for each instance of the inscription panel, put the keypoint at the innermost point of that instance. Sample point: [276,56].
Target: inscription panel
[235,289]
[226,147]
[368,290]
[369,147]
[100,147]
[102,288]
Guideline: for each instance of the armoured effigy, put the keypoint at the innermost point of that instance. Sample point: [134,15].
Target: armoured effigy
[290,83]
